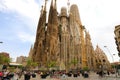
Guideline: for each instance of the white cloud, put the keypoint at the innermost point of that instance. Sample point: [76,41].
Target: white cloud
[27,8]
[28,12]
[25,37]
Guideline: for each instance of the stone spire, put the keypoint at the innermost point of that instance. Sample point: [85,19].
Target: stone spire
[63,12]
[77,33]
[40,36]
[64,39]
[52,20]
[31,52]
[52,32]
[55,5]
[45,4]
[75,21]
[74,12]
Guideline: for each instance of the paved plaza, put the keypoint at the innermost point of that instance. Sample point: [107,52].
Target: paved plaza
[92,76]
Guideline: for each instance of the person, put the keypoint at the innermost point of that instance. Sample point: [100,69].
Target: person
[27,76]
[5,75]
[1,75]
[108,73]
[15,77]
[63,76]
[33,75]
[86,74]
[101,73]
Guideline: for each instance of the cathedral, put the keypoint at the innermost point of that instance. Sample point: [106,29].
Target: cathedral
[63,42]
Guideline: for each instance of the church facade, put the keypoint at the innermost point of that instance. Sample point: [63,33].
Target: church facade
[62,41]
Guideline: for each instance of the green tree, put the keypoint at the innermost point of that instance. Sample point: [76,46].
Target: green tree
[31,64]
[74,61]
[51,64]
[4,59]
[86,68]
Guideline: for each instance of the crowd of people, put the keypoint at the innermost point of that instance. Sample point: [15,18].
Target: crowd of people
[7,75]
[27,74]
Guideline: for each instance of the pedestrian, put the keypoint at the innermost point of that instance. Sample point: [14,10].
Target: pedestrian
[1,75]
[6,75]
[63,77]
[108,73]
[15,77]
[101,73]
[27,76]
[86,74]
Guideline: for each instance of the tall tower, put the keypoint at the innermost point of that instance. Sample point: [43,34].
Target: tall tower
[52,34]
[64,39]
[77,34]
[38,50]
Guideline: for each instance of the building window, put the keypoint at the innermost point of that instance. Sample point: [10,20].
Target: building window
[119,34]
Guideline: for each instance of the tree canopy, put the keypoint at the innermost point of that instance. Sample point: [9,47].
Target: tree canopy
[4,59]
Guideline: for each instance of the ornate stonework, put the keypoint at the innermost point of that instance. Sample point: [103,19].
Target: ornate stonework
[101,59]
[63,41]
[117,37]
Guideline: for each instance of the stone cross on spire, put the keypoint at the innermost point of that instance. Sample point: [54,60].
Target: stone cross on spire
[45,4]
[55,4]
[41,11]
[68,4]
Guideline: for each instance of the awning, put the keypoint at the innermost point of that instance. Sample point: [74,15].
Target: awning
[15,64]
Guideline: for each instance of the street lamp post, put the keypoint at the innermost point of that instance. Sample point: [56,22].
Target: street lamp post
[109,53]
[112,59]
[1,42]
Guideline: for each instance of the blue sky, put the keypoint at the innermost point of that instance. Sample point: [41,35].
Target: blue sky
[18,27]
[19,18]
